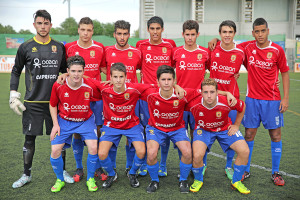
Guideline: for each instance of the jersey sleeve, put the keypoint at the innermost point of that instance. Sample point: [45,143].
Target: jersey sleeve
[103,60]
[192,93]
[63,64]
[239,106]
[207,63]
[282,63]
[244,44]
[54,99]
[17,68]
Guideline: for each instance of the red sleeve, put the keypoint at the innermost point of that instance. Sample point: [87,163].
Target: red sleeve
[97,87]
[138,44]
[282,63]
[192,93]
[67,48]
[54,96]
[207,63]
[244,44]
[239,106]
[142,87]
[103,60]
[139,65]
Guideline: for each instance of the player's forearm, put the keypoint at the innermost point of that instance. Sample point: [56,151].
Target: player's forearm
[224,93]
[104,70]
[286,84]
[239,116]
[53,112]
[14,81]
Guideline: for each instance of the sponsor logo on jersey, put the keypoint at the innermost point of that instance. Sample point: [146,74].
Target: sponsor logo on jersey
[164,49]
[199,132]
[157,103]
[34,49]
[269,55]
[222,68]
[126,108]
[165,125]
[119,119]
[36,63]
[76,108]
[219,114]
[201,114]
[175,103]
[233,58]
[149,48]
[151,132]
[182,56]
[54,49]
[199,56]
[45,63]
[92,53]
[66,107]
[66,94]
[217,54]
[165,115]
[182,65]
[157,59]
[87,95]
[210,125]
[129,54]
[127,96]
[259,63]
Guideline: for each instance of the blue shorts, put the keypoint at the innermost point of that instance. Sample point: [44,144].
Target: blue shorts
[161,137]
[114,135]
[189,120]
[144,113]
[232,115]
[223,138]
[97,108]
[137,109]
[86,129]
[263,111]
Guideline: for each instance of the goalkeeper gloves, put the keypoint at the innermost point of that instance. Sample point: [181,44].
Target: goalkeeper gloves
[14,103]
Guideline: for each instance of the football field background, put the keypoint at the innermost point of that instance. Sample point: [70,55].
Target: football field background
[216,185]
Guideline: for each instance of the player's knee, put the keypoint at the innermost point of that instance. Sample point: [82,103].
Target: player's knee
[102,155]
[76,136]
[197,156]
[151,154]
[55,152]
[93,149]
[140,152]
[187,153]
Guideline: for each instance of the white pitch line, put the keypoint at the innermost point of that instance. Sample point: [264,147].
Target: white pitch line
[257,166]
[294,79]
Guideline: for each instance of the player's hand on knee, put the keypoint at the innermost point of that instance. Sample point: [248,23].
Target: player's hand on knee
[14,102]
[232,129]
[55,131]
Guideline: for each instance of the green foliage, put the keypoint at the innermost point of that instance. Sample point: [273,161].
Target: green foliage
[27,31]
[69,27]
[136,33]
[98,28]
[109,29]
[7,29]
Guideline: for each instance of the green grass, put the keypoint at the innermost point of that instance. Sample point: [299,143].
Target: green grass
[216,185]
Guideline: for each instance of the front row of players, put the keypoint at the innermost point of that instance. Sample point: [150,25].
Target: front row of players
[70,112]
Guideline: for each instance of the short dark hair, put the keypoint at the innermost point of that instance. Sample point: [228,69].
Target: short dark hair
[118,67]
[165,69]
[190,25]
[85,20]
[121,24]
[42,13]
[260,21]
[75,60]
[155,19]
[209,81]
[227,23]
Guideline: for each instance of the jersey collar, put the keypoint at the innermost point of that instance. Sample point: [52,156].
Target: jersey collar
[229,49]
[270,44]
[173,95]
[85,47]
[42,42]
[212,107]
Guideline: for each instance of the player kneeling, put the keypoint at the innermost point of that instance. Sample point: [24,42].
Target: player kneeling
[211,115]
[72,100]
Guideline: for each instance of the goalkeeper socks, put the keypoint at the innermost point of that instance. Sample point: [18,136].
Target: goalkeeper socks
[184,170]
[130,154]
[276,148]
[164,152]
[250,145]
[153,171]
[91,165]
[230,154]
[113,156]
[78,147]
[198,173]
[107,166]
[238,172]
[57,166]
[137,163]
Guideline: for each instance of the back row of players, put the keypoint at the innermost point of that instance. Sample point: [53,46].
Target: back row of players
[43,58]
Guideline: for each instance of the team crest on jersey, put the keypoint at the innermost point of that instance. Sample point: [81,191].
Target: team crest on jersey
[126,96]
[199,56]
[269,55]
[102,133]
[164,49]
[34,49]
[87,95]
[218,114]
[54,49]
[151,132]
[233,57]
[92,54]
[199,132]
[129,54]
[176,102]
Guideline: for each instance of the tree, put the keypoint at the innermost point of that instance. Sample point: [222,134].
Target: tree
[109,29]
[27,31]
[7,29]
[56,31]
[136,33]
[69,26]
[98,28]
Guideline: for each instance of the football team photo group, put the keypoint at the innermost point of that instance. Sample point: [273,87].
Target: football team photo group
[154,93]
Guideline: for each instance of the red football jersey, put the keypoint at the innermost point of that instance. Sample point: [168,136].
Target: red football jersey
[119,108]
[223,65]
[130,57]
[154,56]
[190,66]
[165,114]
[213,119]
[94,57]
[73,104]
[263,65]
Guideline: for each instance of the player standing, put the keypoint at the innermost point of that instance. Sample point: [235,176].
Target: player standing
[43,59]
[211,114]
[94,56]
[156,51]
[70,112]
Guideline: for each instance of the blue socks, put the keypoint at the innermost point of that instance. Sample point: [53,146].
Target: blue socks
[78,147]
[153,171]
[276,148]
[137,163]
[198,173]
[129,156]
[57,165]
[205,159]
[91,165]
[107,165]
[250,145]
[230,155]
[164,152]
[184,170]
[113,155]
[238,172]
